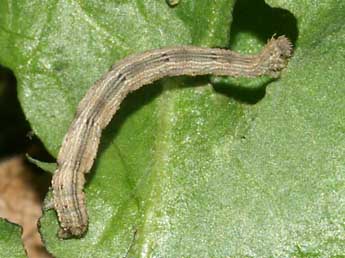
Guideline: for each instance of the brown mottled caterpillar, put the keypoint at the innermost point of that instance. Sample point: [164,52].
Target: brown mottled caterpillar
[97,108]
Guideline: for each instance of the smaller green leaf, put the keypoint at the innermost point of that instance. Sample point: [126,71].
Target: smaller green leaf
[46,166]
[10,240]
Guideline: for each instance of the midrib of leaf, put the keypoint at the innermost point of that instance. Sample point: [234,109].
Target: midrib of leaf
[165,107]
[158,176]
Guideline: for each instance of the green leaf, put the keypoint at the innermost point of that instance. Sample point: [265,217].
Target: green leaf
[10,240]
[186,169]
[46,166]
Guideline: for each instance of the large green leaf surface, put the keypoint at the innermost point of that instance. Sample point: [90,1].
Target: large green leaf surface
[241,168]
[10,240]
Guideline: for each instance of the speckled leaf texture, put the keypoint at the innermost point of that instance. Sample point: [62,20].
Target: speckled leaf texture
[236,168]
[10,241]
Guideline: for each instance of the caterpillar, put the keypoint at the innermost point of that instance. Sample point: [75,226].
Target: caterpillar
[96,109]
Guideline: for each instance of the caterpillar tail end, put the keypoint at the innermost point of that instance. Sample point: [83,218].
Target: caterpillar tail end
[276,55]
[74,232]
